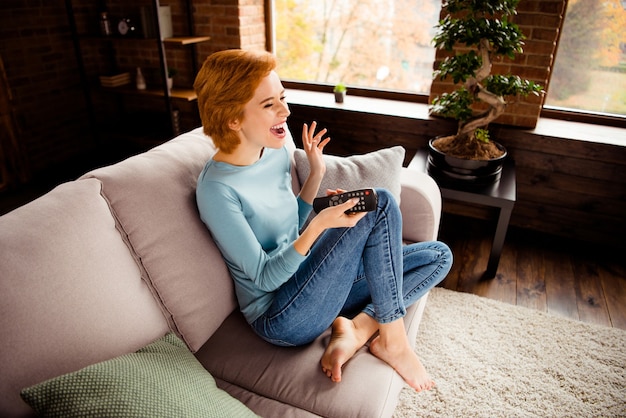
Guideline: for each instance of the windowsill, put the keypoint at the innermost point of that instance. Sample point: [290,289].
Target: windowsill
[545,126]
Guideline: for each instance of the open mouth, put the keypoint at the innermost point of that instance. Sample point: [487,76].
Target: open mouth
[278,130]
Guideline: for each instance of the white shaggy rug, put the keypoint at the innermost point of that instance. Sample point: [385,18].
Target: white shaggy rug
[491,359]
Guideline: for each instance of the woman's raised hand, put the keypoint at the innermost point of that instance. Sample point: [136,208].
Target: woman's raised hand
[313,144]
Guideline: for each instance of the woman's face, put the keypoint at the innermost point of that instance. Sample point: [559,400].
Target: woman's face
[265,116]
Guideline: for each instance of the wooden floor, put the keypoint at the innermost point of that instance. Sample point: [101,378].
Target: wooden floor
[575,280]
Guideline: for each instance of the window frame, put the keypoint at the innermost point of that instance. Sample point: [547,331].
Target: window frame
[550,112]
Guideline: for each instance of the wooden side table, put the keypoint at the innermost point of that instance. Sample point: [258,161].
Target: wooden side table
[500,195]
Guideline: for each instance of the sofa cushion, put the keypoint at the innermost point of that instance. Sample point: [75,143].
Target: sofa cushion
[70,292]
[162,379]
[153,200]
[375,169]
[255,370]
[420,206]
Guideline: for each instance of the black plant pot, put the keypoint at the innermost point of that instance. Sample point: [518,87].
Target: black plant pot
[448,170]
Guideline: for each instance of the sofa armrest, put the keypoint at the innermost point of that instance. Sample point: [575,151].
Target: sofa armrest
[420,206]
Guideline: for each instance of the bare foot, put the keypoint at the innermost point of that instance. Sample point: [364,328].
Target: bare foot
[404,360]
[344,342]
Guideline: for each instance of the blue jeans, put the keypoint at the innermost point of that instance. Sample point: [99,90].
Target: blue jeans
[350,270]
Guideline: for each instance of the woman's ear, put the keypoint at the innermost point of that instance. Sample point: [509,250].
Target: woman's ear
[235,125]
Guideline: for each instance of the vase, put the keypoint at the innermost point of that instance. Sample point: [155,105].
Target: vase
[450,170]
[140,80]
[339,96]
[170,83]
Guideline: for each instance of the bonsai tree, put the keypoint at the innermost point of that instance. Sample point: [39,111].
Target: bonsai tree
[483,29]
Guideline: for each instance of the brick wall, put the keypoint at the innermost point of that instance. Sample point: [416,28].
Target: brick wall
[42,70]
[230,23]
[48,100]
[220,20]
[252,24]
[539,21]
[37,49]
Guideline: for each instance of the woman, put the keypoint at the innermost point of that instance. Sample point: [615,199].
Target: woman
[350,272]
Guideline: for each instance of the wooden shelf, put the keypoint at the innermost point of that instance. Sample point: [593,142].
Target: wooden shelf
[186,40]
[175,40]
[185,94]
[176,93]
[112,53]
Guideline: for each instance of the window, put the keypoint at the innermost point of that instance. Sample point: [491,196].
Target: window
[366,43]
[386,45]
[589,72]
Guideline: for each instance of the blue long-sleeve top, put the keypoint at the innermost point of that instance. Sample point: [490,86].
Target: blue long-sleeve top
[254,218]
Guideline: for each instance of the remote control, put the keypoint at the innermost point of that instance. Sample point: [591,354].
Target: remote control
[367,201]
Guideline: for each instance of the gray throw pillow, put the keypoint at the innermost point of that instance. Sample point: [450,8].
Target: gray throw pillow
[375,169]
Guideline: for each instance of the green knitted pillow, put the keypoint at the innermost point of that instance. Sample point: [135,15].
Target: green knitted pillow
[162,379]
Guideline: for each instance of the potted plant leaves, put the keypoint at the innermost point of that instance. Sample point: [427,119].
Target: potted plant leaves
[482,32]
[340,92]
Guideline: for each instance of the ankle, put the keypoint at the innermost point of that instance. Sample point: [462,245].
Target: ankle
[364,327]
[394,339]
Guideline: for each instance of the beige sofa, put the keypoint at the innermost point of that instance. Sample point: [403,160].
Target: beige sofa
[104,265]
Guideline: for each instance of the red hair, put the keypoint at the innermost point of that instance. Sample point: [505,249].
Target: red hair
[224,84]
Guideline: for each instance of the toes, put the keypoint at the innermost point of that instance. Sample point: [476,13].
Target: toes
[328,372]
[430,384]
[337,373]
[331,376]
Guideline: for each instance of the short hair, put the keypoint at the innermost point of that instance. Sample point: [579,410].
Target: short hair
[224,84]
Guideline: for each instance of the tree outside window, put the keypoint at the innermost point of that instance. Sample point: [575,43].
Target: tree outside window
[365,43]
[590,67]
[387,45]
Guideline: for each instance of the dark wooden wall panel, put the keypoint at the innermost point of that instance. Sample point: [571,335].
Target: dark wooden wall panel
[565,187]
